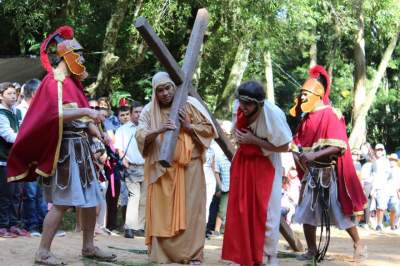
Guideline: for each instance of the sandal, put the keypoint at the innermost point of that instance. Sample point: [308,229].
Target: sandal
[18,231]
[306,256]
[48,259]
[99,255]
[360,252]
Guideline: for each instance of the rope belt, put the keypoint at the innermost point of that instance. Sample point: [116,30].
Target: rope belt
[320,183]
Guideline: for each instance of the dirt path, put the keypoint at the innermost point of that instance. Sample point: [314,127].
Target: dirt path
[383,250]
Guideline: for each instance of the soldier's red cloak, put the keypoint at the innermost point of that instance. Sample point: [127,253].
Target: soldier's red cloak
[326,127]
[36,149]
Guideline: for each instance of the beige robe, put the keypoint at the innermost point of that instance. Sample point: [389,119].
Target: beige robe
[176,197]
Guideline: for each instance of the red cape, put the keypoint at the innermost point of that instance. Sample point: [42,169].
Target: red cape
[36,149]
[325,127]
[251,179]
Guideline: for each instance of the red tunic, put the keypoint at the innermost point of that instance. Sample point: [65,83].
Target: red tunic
[35,151]
[322,128]
[251,179]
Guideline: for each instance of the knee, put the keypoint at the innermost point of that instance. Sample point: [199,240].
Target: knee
[59,208]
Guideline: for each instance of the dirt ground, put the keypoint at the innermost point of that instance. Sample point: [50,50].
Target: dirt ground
[383,250]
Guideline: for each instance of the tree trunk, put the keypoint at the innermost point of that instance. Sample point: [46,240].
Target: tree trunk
[360,119]
[109,59]
[313,54]
[269,77]
[235,78]
[360,70]
[22,47]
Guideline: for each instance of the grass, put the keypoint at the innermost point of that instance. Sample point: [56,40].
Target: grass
[69,220]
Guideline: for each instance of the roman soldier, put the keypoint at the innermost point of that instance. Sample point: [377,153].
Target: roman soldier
[331,191]
[53,143]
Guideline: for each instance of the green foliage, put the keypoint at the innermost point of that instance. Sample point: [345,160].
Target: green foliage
[382,120]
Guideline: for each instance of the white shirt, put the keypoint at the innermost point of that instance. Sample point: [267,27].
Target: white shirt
[394,181]
[123,135]
[23,107]
[381,173]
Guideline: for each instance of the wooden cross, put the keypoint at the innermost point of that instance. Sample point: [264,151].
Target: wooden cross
[183,79]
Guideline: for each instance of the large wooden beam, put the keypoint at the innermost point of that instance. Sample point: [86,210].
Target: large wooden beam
[160,50]
[180,99]
[177,75]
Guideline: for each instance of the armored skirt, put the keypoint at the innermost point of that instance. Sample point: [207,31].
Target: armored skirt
[309,209]
[75,181]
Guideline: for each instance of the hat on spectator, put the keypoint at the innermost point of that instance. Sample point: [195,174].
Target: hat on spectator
[393,157]
[379,146]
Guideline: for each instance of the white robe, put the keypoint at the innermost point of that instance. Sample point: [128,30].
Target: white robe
[271,125]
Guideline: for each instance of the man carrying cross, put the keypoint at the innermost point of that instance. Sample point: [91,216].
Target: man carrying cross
[175,207]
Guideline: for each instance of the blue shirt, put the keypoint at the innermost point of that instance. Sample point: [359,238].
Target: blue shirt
[223,167]
[111,123]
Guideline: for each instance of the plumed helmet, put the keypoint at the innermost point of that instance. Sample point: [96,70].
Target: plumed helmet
[251,91]
[66,47]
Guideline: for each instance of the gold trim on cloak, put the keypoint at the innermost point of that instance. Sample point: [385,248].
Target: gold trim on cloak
[59,76]
[319,144]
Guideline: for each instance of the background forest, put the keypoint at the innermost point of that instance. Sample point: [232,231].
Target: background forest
[274,41]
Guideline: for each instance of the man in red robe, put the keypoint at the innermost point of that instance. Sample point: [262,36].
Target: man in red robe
[253,215]
[53,142]
[331,191]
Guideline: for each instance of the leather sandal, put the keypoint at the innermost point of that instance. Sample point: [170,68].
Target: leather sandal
[99,255]
[360,252]
[48,258]
[306,256]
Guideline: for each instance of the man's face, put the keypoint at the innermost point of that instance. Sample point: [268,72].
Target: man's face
[136,114]
[9,96]
[248,108]
[124,117]
[304,95]
[103,104]
[292,173]
[93,104]
[379,153]
[165,94]
[393,163]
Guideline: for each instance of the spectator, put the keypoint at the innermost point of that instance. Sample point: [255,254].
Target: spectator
[290,194]
[133,162]
[355,155]
[368,156]
[209,174]
[111,124]
[222,171]
[28,92]
[10,118]
[294,185]
[100,158]
[394,192]
[94,104]
[124,115]
[380,185]
[287,207]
